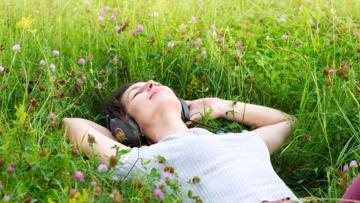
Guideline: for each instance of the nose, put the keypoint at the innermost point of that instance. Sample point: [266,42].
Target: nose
[150,84]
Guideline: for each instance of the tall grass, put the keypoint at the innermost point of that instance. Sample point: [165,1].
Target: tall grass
[299,56]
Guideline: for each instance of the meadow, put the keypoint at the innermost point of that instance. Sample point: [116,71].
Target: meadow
[61,58]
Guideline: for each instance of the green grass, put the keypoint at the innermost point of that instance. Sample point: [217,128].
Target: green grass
[286,74]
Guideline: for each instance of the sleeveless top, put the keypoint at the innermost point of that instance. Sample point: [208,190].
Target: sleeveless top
[232,167]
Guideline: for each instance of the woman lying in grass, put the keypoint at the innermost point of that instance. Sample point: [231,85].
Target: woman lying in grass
[230,167]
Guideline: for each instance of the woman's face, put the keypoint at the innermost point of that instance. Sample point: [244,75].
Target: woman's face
[146,101]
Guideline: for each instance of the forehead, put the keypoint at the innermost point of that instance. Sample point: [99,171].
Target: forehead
[129,91]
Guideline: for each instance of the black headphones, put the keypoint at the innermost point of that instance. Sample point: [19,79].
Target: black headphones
[129,133]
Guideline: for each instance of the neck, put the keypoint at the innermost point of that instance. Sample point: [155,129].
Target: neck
[164,125]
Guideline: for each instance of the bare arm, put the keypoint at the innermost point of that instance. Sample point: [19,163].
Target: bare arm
[77,132]
[273,126]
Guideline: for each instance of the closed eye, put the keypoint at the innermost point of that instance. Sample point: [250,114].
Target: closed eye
[136,94]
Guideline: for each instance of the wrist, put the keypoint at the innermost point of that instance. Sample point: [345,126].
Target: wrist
[223,107]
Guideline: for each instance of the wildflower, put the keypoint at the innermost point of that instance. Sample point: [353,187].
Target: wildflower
[203,52]
[42,62]
[332,11]
[220,41]
[285,37]
[328,71]
[90,57]
[113,161]
[79,176]
[239,44]
[102,168]
[99,85]
[97,190]
[169,169]
[343,71]
[192,20]
[55,53]
[346,167]
[72,192]
[167,175]
[161,159]
[161,182]
[6,198]
[268,37]
[158,193]
[25,23]
[16,48]
[170,44]
[81,61]
[214,34]
[213,26]
[122,28]
[115,195]
[52,116]
[42,152]
[198,41]
[154,14]
[10,168]
[113,18]
[182,28]
[353,164]
[52,67]
[2,69]
[137,30]
[27,198]
[298,43]
[308,138]
[195,180]
[75,151]
[103,11]
[101,18]
[282,19]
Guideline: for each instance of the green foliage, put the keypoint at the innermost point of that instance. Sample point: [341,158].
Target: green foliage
[301,57]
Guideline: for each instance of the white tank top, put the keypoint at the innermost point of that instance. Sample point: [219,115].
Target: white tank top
[232,167]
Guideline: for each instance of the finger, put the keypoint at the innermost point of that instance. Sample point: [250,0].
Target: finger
[196,116]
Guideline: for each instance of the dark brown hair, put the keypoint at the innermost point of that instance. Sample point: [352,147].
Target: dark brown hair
[113,105]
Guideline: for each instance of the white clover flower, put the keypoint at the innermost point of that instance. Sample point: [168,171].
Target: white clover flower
[55,53]
[52,67]
[285,37]
[170,44]
[102,168]
[42,62]
[268,37]
[213,26]
[99,86]
[16,48]
[2,69]
[282,19]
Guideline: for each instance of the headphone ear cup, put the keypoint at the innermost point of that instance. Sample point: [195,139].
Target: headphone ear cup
[127,130]
[185,113]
